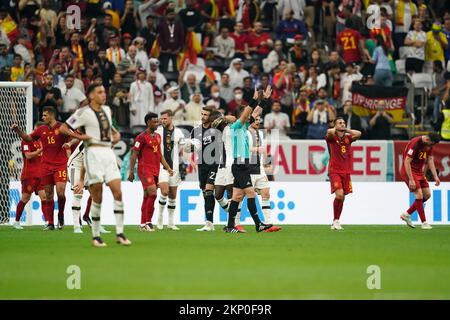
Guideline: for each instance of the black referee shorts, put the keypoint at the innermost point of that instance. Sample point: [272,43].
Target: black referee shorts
[241,174]
[207,174]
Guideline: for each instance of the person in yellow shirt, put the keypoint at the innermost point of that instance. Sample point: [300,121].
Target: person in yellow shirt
[436,44]
[17,70]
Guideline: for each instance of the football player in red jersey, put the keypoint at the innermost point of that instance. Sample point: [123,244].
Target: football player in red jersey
[31,177]
[350,44]
[147,149]
[56,147]
[339,141]
[416,157]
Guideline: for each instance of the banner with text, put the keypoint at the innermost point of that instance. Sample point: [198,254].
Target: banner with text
[365,99]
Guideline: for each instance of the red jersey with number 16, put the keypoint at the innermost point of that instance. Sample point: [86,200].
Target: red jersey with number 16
[419,153]
[341,158]
[148,146]
[54,155]
[31,167]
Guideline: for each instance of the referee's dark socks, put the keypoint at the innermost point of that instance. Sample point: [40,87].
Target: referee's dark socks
[210,203]
[251,205]
[232,211]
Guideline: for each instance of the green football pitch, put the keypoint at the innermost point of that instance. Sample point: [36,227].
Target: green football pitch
[300,262]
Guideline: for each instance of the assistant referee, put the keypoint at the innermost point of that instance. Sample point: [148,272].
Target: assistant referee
[241,167]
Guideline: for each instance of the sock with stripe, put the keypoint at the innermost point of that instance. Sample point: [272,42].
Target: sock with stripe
[237,220]
[232,211]
[267,212]
[210,203]
[251,205]
[19,210]
[95,215]
[118,213]
[88,208]
[76,209]
[171,209]
[223,203]
[162,204]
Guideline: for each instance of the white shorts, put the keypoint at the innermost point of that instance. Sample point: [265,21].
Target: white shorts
[224,177]
[74,172]
[101,165]
[174,181]
[260,181]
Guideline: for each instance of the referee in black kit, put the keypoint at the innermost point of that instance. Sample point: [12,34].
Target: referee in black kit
[241,167]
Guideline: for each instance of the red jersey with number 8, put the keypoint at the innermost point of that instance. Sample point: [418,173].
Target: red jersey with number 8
[340,154]
[54,155]
[419,153]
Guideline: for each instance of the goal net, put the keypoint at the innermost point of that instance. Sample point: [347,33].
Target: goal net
[16,106]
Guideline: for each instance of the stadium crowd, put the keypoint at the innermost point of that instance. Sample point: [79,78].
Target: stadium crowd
[182,55]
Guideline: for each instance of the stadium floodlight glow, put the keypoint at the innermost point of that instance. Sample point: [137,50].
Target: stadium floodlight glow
[16,103]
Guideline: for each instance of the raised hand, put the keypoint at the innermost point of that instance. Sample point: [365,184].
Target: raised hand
[255,94]
[267,92]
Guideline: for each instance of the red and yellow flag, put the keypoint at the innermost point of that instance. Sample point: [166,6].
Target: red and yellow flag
[155,51]
[231,8]
[210,74]
[9,27]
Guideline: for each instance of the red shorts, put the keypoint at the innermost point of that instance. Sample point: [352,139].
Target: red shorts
[32,185]
[340,181]
[51,176]
[148,180]
[420,180]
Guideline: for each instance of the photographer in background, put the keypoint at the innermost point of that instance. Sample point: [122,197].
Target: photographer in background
[380,123]
[319,118]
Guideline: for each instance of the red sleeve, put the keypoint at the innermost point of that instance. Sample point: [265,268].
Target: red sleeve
[139,143]
[328,139]
[36,134]
[26,147]
[412,151]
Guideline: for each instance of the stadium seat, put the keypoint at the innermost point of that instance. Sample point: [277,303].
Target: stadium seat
[400,65]
[399,80]
[403,52]
[422,80]
[135,130]
[216,65]
[248,63]
[171,76]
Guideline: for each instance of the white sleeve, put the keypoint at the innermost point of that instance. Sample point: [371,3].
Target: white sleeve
[132,96]
[81,96]
[78,119]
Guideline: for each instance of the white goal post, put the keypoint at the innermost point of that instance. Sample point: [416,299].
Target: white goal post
[16,106]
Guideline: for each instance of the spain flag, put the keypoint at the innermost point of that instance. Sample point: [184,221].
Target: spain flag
[155,51]
[9,27]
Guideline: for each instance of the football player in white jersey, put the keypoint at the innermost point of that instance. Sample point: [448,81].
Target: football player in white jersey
[76,169]
[99,160]
[172,143]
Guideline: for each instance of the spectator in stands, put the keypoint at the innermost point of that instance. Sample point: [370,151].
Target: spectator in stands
[148,33]
[277,120]
[316,61]
[240,42]
[282,79]
[424,16]
[443,122]
[141,98]
[115,53]
[238,100]
[154,69]
[225,45]
[50,95]
[149,8]
[438,90]
[446,31]
[385,31]
[175,104]
[380,123]
[158,100]
[194,109]
[128,66]
[274,57]
[237,73]
[255,74]
[259,42]
[119,102]
[141,55]
[297,7]
[435,46]
[319,118]
[416,40]
[405,11]
[6,62]
[17,69]
[73,98]
[327,15]
[248,13]
[352,74]
[333,60]
[171,40]
[226,91]
[106,32]
[316,79]
[107,68]
[190,16]
[300,113]
[297,54]
[188,87]
[216,100]
[248,89]
[383,75]
[288,28]
[352,120]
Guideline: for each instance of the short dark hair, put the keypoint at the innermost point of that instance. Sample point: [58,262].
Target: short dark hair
[434,137]
[168,112]
[49,109]
[70,76]
[92,87]
[349,23]
[17,56]
[239,111]
[237,88]
[150,116]
[209,109]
